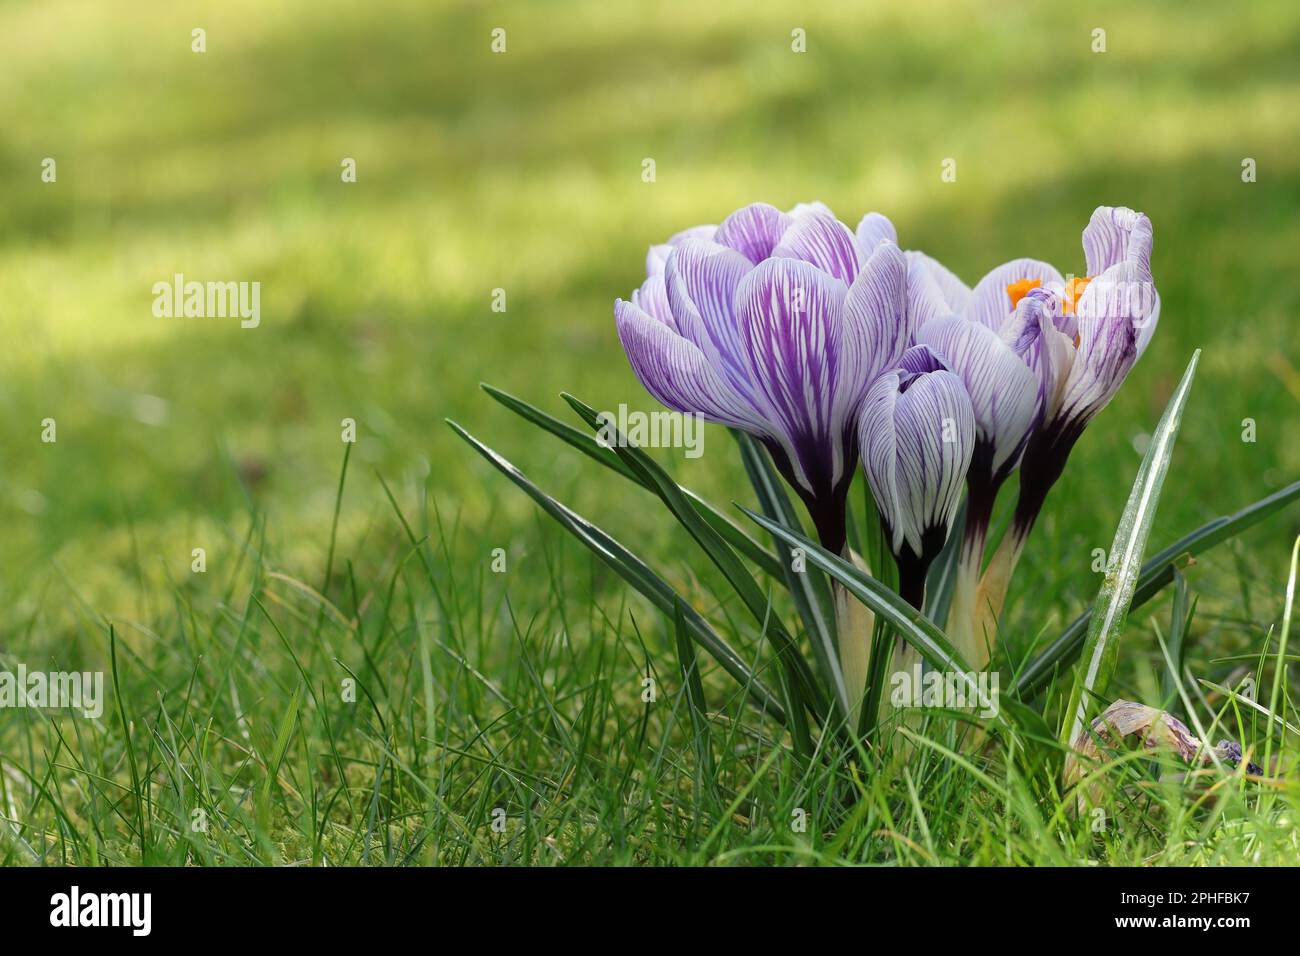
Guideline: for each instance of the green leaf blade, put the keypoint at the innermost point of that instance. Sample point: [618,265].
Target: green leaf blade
[811,594]
[737,575]
[1156,574]
[593,449]
[1110,610]
[637,573]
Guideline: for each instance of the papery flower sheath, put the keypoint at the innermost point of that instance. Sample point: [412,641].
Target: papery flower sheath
[776,325]
[918,433]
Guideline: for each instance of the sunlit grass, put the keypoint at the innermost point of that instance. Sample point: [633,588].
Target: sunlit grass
[522,172]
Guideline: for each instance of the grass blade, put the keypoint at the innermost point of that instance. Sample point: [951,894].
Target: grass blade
[728,529]
[693,688]
[1156,574]
[1110,610]
[1180,623]
[940,581]
[1279,671]
[811,592]
[737,575]
[915,626]
[275,758]
[120,697]
[908,623]
[1253,705]
[638,574]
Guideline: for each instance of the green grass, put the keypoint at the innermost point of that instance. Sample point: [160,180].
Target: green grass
[523,691]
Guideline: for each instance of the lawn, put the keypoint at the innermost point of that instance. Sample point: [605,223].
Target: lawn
[349,680]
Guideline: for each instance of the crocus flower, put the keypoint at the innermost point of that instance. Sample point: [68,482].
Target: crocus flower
[932,290]
[917,433]
[1079,336]
[1082,338]
[1004,394]
[776,325]
[955,322]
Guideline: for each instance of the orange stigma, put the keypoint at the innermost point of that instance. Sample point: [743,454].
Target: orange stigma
[1018,290]
[1073,292]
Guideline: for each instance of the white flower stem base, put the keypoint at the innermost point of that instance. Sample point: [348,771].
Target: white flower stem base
[854,623]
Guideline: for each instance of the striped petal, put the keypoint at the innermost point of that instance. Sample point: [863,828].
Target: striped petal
[1146,326]
[1032,333]
[931,294]
[1110,312]
[878,435]
[918,435]
[989,302]
[877,329]
[954,293]
[701,279]
[676,372]
[822,240]
[657,257]
[792,337]
[652,299]
[1114,320]
[872,230]
[753,230]
[1117,234]
[1003,389]
[920,359]
[816,205]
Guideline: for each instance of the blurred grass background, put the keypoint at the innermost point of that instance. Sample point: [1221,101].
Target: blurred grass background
[522,171]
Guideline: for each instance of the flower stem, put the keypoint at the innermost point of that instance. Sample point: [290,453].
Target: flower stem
[970,642]
[991,594]
[854,623]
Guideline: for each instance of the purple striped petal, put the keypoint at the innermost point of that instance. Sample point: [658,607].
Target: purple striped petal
[920,359]
[1117,234]
[872,230]
[824,241]
[753,230]
[701,279]
[815,206]
[677,373]
[1109,313]
[1112,323]
[652,299]
[878,435]
[989,303]
[918,435]
[876,326]
[790,315]
[657,257]
[1146,326]
[1031,332]
[926,297]
[954,293]
[932,290]
[1003,389]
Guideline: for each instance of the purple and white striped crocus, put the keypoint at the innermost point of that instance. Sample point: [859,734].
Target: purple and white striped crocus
[958,325]
[1082,338]
[1077,337]
[775,323]
[917,432]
